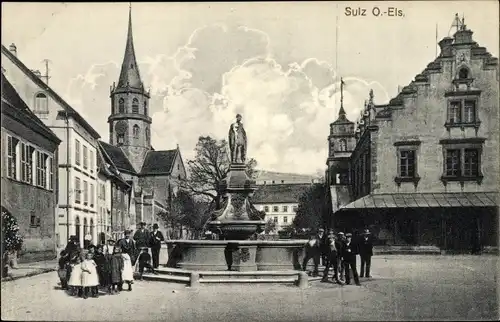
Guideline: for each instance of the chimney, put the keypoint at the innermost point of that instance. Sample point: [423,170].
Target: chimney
[13,49]
[445,45]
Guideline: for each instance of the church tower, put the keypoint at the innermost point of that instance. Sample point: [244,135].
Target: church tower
[341,143]
[129,122]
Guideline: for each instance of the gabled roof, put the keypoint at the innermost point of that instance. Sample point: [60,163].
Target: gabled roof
[71,111]
[279,193]
[107,167]
[15,107]
[159,162]
[118,157]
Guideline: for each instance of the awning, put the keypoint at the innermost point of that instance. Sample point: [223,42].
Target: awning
[425,200]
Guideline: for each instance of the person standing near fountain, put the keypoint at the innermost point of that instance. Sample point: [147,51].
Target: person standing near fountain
[155,243]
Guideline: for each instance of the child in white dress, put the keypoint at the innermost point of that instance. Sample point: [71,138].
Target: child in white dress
[75,277]
[128,271]
[90,278]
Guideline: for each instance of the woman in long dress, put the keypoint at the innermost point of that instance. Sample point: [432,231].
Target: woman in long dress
[128,271]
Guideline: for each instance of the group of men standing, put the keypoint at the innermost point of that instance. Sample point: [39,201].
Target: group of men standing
[339,251]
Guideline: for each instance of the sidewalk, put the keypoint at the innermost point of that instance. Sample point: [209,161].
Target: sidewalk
[30,269]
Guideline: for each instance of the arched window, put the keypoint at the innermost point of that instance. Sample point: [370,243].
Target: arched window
[463,73]
[342,145]
[41,105]
[77,227]
[85,226]
[120,139]
[92,227]
[147,134]
[121,105]
[135,131]
[145,108]
[135,106]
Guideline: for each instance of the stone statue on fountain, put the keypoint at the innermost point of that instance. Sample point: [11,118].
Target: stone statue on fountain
[237,141]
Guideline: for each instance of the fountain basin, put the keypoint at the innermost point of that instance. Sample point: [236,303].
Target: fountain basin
[239,255]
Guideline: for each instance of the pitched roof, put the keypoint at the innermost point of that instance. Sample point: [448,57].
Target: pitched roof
[118,157]
[279,193]
[129,74]
[159,162]
[15,107]
[71,111]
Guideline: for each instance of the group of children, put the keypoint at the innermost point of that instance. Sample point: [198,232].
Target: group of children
[84,271]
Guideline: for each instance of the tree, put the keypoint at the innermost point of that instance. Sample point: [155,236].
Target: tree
[209,167]
[270,226]
[313,208]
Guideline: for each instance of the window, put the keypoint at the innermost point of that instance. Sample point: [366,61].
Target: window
[147,134]
[120,139]
[85,157]
[91,161]
[77,152]
[50,173]
[34,220]
[41,170]
[26,163]
[145,108]
[102,191]
[282,181]
[343,145]
[41,105]
[285,219]
[463,73]
[471,162]
[275,209]
[135,106]
[275,219]
[407,163]
[469,111]
[462,111]
[135,131]
[12,157]
[78,191]
[266,208]
[121,105]
[285,208]
[452,163]
[454,112]
[85,192]
[91,195]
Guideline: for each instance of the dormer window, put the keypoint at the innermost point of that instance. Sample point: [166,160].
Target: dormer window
[41,105]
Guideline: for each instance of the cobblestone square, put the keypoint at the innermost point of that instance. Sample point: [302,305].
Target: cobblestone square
[403,287]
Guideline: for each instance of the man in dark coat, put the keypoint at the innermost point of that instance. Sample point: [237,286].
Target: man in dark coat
[142,236]
[155,242]
[312,250]
[340,251]
[332,257]
[323,245]
[349,257]
[128,245]
[366,253]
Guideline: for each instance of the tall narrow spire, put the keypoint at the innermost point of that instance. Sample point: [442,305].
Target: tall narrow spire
[129,75]
[341,110]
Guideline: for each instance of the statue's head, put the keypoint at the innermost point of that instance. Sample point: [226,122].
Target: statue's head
[238,117]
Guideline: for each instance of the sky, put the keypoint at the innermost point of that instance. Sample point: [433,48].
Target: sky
[278,64]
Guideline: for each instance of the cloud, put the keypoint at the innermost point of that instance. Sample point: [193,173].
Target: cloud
[221,71]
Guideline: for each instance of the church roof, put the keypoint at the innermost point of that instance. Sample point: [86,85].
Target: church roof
[14,106]
[159,162]
[279,193]
[118,157]
[129,74]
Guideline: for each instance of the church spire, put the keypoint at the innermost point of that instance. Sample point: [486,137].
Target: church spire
[341,110]
[129,75]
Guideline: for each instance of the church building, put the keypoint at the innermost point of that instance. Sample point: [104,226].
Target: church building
[153,175]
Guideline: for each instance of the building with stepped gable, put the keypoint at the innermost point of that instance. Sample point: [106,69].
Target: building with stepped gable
[424,168]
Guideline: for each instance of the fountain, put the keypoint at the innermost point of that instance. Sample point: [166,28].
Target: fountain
[237,220]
